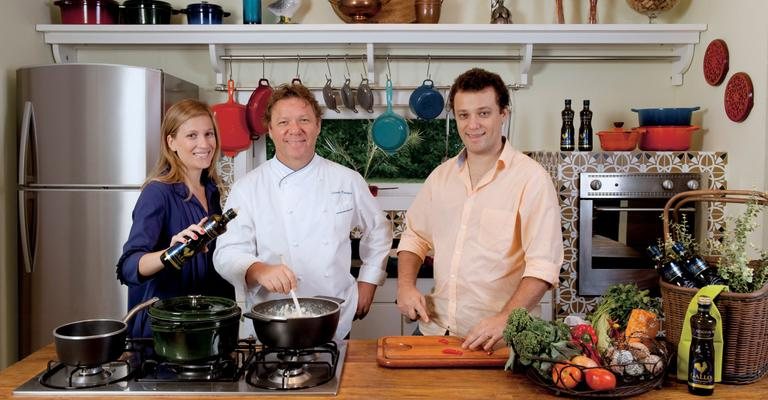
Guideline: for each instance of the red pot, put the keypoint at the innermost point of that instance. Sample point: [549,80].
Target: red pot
[88,11]
[666,138]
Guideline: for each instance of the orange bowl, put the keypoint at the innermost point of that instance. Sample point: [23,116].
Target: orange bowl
[667,138]
[618,140]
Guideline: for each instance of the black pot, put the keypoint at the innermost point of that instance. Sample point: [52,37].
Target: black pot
[146,12]
[190,329]
[274,329]
[204,13]
[93,342]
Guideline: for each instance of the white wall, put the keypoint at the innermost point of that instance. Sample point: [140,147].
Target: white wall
[20,45]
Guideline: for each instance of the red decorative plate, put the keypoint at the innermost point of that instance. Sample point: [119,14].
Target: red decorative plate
[716,62]
[739,97]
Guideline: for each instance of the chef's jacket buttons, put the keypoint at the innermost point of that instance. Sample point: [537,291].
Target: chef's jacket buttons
[290,211]
[325,210]
[294,244]
[325,242]
[327,275]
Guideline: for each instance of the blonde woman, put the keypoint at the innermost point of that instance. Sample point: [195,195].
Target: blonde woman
[177,197]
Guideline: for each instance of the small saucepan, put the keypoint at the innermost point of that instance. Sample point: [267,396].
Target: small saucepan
[93,342]
[203,13]
[277,329]
[426,102]
[389,130]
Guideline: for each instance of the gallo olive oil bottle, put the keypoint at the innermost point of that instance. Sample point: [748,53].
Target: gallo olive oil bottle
[179,253]
[567,131]
[701,357]
[585,129]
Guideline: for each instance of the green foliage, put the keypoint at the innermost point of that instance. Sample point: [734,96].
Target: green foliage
[679,233]
[349,142]
[619,300]
[733,264]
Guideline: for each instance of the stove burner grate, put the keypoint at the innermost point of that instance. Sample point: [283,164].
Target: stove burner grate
[223,369]
[62,376]
[282,368]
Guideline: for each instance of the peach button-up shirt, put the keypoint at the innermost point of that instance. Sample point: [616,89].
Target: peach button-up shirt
[485,239]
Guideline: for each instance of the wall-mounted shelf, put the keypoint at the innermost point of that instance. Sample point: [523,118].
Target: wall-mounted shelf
[533,42]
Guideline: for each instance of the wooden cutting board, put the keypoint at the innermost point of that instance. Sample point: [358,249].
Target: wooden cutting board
[434,351]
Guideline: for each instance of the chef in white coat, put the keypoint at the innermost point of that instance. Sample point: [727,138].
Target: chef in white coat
[295,215]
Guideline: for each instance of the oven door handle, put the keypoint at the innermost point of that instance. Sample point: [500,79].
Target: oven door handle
[640,209]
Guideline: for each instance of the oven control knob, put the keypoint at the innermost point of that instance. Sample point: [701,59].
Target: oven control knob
[693,184]
[595,185]
[667,184]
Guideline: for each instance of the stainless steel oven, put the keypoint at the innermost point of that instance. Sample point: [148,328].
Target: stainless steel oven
[619,217]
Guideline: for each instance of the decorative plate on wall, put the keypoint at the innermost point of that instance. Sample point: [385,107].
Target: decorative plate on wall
[716,62]
[739,97]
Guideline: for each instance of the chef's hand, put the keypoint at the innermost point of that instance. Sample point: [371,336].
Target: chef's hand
[189,234]
[486,333]
[412,303]
[365,292]
[274,277]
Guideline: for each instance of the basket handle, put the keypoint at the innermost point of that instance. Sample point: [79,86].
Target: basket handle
[712,196]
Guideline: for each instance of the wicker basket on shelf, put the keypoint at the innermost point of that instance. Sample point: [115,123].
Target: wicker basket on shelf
[745,315]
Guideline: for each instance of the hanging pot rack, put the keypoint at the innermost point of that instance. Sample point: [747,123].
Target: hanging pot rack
[410,57]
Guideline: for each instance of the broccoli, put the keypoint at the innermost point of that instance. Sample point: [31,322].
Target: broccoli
[518,321]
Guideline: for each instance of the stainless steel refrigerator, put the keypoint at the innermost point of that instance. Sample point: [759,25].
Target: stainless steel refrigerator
[88,136]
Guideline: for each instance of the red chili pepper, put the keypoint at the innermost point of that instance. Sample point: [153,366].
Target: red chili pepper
[443,341]
[584,335]
[453,351]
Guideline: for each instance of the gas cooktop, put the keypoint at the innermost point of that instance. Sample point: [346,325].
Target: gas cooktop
[251,370]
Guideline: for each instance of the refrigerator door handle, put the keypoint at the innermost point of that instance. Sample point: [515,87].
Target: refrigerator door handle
[26,245]
[27,129]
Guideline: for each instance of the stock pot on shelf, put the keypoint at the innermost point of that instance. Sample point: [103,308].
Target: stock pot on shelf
[196,328]
[88,11]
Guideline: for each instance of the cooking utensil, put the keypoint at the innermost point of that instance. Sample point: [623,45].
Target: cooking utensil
[426,101]
[666,138]
[358,10]
[146,12]
[347,96]
[665,116]
[329,97]
[88,11]
[618,139]
[389,130]
[257,107]
[93,342]
[434,351]
[204,13]
[189,329]
[230,119]
[365,95]
[274,328]
[428,11]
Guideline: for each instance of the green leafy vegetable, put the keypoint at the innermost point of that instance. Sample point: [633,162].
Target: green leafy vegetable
[536,342]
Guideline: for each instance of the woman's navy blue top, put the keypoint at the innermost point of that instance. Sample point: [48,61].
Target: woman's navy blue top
[162,211]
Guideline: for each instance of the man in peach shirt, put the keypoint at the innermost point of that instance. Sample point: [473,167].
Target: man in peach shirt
[492,218]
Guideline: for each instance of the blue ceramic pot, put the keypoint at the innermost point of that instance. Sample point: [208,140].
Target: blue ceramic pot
[204,13]
[426,102]
[665,116]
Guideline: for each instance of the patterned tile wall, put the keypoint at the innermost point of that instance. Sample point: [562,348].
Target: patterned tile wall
[565,167]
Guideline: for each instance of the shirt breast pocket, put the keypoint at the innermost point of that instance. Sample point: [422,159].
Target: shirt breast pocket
[343,210]
[497,230]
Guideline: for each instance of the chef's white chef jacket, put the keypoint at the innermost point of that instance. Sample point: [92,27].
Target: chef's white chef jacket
[306,217]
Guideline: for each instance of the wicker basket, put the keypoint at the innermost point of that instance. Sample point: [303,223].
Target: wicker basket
[745,315]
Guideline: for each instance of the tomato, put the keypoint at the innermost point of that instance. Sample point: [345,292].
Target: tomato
[600,379]
[566,376]
[584,361]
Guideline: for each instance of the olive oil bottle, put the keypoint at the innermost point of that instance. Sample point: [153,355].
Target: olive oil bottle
[176,255]
[567,130]
[701,357]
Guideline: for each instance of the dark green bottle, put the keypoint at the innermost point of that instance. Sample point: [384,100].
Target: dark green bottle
[567,130]
[585,129]
[701,356]
[176,255]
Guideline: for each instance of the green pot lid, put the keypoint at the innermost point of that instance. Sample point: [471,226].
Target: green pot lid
[194,308]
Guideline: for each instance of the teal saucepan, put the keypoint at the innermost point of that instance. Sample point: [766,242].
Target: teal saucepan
[389,130]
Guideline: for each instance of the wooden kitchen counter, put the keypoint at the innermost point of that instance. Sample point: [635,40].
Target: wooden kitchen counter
[362,378]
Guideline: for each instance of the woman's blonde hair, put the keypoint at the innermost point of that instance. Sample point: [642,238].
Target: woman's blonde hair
[169,168]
